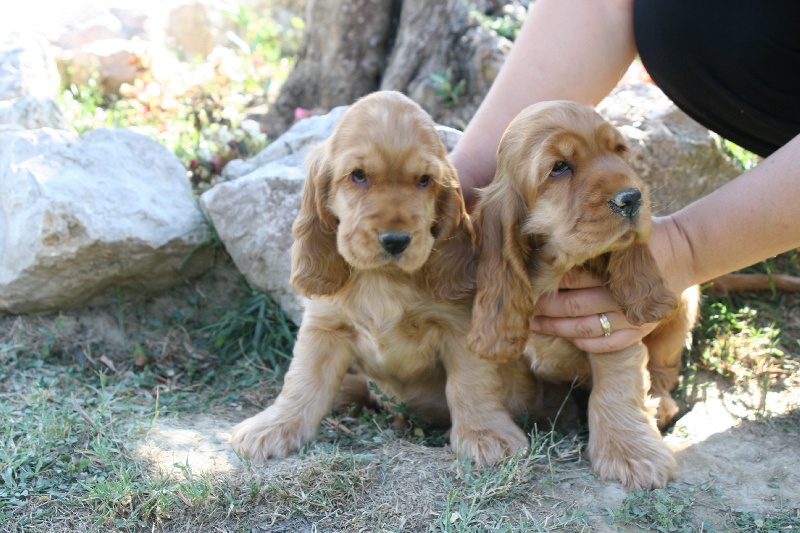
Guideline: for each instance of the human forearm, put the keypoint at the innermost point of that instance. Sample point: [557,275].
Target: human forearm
[751,218]
[567,50]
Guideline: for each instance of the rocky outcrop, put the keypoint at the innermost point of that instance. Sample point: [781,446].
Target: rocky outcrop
[680,159]
[79,215]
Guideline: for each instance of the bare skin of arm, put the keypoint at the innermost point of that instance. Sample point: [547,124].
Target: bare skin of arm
[755,216]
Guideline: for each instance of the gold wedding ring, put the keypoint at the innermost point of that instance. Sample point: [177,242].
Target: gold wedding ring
[605,324]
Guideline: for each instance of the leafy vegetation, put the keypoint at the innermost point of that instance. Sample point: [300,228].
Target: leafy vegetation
[202,121]
[507,24]
[447,90]
[657,510]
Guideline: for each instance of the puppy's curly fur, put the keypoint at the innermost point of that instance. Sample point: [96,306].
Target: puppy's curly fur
[564,195]
[385,252]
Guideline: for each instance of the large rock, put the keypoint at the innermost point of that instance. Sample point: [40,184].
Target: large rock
[27,68]
[253,213]
[33,113]
[680,159]
[79,215]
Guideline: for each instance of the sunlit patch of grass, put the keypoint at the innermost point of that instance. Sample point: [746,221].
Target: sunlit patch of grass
[734,346]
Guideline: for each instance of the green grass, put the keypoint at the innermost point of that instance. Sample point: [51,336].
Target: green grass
[256,329]
[750,340]
[657,510]
[489,499]
[68,428]
[68,425]
[746,521]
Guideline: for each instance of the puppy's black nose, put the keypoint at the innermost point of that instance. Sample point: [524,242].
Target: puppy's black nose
[394,242]
[626,202]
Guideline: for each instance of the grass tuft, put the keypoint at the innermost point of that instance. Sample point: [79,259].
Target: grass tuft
[656,510]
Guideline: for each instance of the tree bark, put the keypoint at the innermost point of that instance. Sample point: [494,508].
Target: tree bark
[434,51]
[341,58]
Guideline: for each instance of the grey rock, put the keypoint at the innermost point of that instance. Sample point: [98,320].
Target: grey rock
[253,213]
[27,68]
[79,215]
[680,159]
[32,113]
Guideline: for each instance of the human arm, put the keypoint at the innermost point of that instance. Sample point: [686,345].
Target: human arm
[566,50]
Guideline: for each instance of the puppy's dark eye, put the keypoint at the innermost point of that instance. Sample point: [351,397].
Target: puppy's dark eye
[358,177]
[559,169]
[424,181]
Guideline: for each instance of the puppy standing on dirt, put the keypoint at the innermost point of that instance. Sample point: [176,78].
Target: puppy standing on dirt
[385,252]
[563,196]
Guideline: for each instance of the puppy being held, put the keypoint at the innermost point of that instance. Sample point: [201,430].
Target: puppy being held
[385,253]
[564,195]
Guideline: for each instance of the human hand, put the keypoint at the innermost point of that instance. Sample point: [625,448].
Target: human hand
[574,313]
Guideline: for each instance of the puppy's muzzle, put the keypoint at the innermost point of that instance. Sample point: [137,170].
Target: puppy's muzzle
[394,242]
[626,203]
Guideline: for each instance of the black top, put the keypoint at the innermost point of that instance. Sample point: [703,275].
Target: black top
[732,65]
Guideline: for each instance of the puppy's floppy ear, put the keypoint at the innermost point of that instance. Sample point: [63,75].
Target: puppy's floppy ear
[635,282]
[450,269]
[504,301]
[317,267]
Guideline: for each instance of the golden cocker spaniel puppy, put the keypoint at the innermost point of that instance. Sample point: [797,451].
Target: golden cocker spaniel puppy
[564,196]
[385,253]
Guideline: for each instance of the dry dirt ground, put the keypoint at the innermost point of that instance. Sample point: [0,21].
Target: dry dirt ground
[726,461]
[738,449]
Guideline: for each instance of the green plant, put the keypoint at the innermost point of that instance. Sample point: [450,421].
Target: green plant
[448,92]
[256,329]
[204,124]
[746,158]
[656,510]
[732,345]
[262,38]
[758,523]
[507,25]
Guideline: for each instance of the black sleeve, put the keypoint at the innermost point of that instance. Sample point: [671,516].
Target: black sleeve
[732,65]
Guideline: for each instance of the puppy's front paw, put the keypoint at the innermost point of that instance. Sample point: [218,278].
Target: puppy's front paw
[266,436]
[488,445]
[640,461]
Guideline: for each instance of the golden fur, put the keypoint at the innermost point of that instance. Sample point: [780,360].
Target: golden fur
[400,319]
[534,223]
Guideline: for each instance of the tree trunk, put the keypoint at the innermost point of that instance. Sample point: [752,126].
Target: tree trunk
[342,56]
[435,51]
